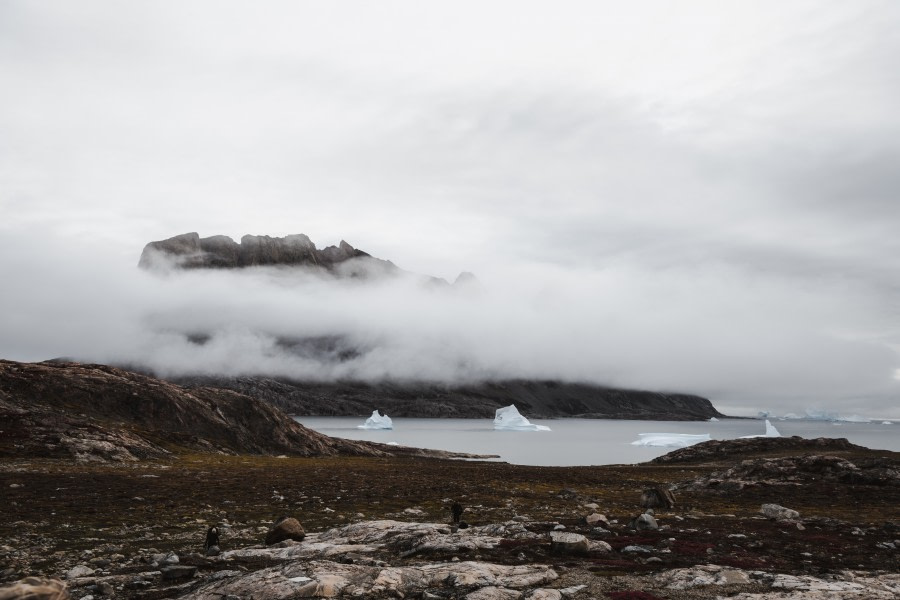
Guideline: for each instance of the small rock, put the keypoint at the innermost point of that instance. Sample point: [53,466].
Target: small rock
[105,588]
[571,591]
[594,518]
[657,498]
[559,527]
[645,522]
[636,549]
[213,551]
[569,543]
[79,571]
[778,512]
[176,572]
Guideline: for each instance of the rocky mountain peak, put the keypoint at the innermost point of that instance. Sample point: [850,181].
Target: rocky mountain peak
[190,251]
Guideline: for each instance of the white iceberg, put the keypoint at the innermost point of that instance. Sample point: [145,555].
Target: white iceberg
[770,432]
[377,421]
[887,422]
[713,420]
[670,440]
[509,419]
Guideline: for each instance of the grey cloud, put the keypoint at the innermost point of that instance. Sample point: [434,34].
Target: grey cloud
[649,202]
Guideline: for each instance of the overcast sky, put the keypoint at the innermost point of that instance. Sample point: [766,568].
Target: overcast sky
[700,196]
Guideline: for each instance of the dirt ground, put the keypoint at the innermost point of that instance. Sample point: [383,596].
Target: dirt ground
[55,514]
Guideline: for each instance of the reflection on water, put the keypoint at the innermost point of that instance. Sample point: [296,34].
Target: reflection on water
[583,441]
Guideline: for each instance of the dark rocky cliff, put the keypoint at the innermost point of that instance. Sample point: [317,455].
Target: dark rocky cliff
[535,399]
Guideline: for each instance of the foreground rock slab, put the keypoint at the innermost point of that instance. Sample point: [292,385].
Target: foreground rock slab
[327,579]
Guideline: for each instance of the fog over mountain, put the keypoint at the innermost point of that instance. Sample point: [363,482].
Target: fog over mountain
[698,196]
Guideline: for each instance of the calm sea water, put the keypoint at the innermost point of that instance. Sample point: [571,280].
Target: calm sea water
[583,441]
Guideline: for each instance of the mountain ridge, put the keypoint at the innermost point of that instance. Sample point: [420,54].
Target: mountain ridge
[540,399]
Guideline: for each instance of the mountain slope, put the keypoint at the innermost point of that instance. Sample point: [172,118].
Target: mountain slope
[535,399]
[104,413]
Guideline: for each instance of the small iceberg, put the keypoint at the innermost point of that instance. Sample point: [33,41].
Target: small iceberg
[770,432]
[887,422]
[713,420]
[508,418]
[377,421]
[670,440]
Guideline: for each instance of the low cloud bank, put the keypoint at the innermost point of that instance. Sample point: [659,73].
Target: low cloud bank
[745,343]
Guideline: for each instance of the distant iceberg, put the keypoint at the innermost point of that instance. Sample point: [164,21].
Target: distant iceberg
[887,422]
[377,421]
[713,420]
[670,440]
[770,432]
[818,414]
[508,418]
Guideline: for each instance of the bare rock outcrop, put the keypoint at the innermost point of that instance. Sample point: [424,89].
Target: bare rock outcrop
[93,412]
[718,450]
[796,470]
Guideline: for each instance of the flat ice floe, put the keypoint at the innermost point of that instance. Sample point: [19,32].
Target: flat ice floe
[508,418]
[377,421]
[670,440]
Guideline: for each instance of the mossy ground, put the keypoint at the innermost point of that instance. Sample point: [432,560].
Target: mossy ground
[60,513]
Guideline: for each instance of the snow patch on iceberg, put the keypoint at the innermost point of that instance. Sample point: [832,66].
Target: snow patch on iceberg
[377,421]
[670,440]
[508,418]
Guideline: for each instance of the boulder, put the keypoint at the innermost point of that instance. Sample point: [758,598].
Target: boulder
[285,528]
[778,512]
[657,498]
[568,543]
